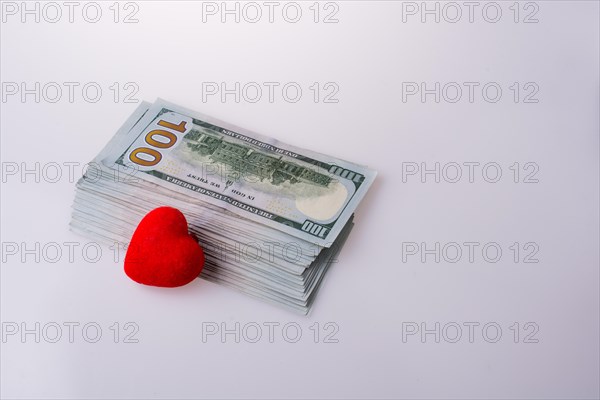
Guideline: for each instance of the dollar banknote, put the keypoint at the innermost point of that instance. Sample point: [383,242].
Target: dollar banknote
[302,193]
[271,218]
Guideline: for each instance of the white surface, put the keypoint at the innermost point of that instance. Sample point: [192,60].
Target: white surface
[370,292]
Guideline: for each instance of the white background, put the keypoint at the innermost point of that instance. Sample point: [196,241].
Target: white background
[371,293]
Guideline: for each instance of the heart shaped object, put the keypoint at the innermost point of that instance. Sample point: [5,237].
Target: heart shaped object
[162,252]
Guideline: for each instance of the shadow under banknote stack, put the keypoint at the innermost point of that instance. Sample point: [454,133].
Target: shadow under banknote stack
[271,217]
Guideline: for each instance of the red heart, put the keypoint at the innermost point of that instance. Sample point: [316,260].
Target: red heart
[162,252]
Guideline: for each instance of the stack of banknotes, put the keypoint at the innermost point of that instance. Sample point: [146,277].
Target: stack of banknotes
[270,217]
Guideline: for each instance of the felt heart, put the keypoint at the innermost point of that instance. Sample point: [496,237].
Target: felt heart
[162,252]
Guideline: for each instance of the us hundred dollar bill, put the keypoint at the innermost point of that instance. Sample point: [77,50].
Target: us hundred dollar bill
[305,194]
